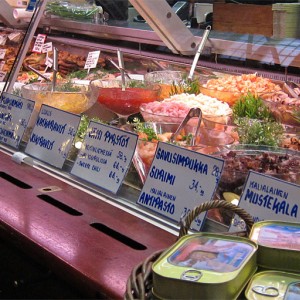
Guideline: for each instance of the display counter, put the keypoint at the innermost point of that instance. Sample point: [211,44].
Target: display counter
[91,237]
[85,238]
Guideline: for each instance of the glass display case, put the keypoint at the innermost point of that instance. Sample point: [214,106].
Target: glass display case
[74,34]
[151,38]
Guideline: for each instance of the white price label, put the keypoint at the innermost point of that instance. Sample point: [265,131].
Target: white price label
[39,43]
[2,63]
[92,60]
[52,136]
[268,198]
[47,47]
[2,75]
[178,180]
[2,53]
[105,156]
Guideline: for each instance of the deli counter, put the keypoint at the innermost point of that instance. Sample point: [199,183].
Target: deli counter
[87,231]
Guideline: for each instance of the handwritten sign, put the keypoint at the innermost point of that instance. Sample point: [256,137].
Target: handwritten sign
[52,135]
[3,39]
[47,47]
[2,63]
[39,43]
[92,60]
[105,156]
[2,53]
[180,179]
[2,75]
[15,113]
[31,5]
[268,198]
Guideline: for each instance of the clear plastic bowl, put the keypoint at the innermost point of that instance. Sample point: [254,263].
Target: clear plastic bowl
[145,150]
[239,159]
[74,98]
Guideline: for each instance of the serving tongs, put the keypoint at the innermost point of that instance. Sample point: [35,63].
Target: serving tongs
[118,68]
[193,113]
[290,87]
[38,73]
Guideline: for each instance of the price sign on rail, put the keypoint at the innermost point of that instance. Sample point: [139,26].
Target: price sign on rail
[92,60]
[268,198]
[105,156]
[15,113]
[52,136]
[178,180]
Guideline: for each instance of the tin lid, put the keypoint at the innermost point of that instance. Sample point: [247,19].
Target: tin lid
[273,285]
[206,256]
[276,234]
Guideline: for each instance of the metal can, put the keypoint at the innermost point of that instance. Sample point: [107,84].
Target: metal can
[204,266]
[275,285]
[278,245]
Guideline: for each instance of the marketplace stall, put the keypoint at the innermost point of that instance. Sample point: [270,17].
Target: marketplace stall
[86,175]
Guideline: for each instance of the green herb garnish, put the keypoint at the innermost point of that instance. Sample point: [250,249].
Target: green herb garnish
[187,86]
[136,84]
[83,74]
[143,128]
[67,87]
[259,132]
[251,106]
[83,126]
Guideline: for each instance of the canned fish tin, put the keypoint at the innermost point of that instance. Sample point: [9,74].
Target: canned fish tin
[275,285]
[278,245]
[204,266]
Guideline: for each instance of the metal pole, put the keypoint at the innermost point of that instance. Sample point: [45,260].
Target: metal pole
[39,10]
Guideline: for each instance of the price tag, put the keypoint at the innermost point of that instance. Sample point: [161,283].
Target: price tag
[105,156]
[178,180]
[39,43]
[47,47]
[49,61]
[3,39]
[31,5]
[2,53]
[52,136]
[92,60]
[15,36]
[2,75]
[15,113]
[2,63]
[268,198]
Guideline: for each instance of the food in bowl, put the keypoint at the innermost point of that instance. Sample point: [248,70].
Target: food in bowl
[68,96]
[286,109]
[150,133]
[230,88]
[175,108]
[172,82]
[239,159]
[126,100]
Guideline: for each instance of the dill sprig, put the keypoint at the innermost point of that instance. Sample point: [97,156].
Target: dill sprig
[67,87]
[187,86]
[141,127]
[251,106]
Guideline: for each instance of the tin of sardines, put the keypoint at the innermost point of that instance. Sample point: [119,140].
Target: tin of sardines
[204,266]
[278,245]
[275,285]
